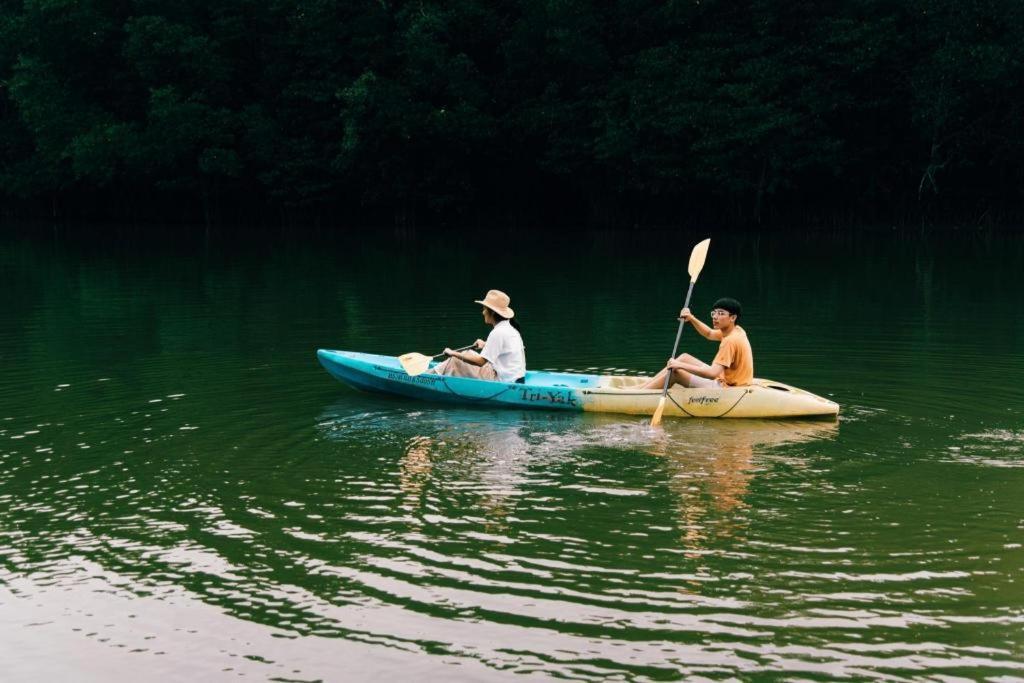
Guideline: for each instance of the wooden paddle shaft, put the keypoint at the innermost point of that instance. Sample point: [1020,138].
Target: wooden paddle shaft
[679,333]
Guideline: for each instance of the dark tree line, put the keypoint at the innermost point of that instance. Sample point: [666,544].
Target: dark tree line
[633,112]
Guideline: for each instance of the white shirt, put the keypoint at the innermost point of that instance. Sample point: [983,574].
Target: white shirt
[505,352]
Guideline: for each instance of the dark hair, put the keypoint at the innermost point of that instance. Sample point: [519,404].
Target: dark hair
[730,305]
[498,318]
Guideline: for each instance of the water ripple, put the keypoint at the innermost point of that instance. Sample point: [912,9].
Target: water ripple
[185,494]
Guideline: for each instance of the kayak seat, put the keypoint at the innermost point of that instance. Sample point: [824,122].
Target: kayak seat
[623,382]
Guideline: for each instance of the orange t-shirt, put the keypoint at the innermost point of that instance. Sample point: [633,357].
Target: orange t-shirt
[735,355]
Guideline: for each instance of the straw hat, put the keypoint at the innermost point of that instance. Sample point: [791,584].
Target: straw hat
[498,302]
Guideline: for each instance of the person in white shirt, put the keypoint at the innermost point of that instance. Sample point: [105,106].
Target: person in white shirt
[501,358]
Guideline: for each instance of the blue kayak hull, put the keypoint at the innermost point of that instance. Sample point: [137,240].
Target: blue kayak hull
[384,374]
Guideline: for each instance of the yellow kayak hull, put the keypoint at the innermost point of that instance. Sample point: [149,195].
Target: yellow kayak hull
[762,399]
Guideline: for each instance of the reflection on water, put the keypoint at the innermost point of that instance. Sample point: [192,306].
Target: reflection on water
[708,464]
[185,494]
[415,471]
[993,448]
[522,487]
[419,537]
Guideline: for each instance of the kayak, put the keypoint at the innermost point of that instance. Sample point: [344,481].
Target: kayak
[575,391]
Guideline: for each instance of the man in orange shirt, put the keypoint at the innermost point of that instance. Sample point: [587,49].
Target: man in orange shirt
[733,364]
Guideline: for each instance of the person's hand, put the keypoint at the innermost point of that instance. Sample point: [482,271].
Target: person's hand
[479,343]
[685,315]
[675,364]
[448,351]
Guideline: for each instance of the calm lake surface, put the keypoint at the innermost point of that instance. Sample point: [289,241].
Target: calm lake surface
[185,494]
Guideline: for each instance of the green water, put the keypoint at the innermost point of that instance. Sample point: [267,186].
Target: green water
[186,495]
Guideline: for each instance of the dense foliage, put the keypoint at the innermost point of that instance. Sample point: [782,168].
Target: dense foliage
[617,113]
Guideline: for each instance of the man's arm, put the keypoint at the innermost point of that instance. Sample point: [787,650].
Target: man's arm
[702,329]
[471,357]
[713,371]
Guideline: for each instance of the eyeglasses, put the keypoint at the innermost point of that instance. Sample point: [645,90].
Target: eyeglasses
[719,312]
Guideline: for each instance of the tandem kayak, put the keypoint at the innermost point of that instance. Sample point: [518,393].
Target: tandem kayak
[576,391]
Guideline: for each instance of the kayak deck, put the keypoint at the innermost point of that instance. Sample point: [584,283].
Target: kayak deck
[575,391]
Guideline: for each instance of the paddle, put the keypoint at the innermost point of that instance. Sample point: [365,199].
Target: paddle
[416,363]
[697,257]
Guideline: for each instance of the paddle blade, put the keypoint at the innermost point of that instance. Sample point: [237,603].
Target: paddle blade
[697,256]
[414,363]
[656,418]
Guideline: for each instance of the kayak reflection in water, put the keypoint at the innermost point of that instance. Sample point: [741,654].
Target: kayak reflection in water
[502,357]
[733,364]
